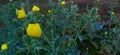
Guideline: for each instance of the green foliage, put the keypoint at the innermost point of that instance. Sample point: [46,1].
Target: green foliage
[64,30]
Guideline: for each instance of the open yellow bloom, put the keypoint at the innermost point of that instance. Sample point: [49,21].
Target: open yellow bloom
[4,46]
[49,11]
[35,9]
[21,14]
[34,30]
[63,3]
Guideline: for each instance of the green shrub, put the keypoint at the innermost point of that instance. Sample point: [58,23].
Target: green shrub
[64,30]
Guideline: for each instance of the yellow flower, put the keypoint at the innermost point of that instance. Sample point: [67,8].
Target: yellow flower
[4,46]
[106,33]
[49,11]
[35,9]
[113,13]
[34,30]
[63,3]
[21,14]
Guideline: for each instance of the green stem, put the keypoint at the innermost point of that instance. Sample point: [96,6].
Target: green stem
[78,33]
[47,40]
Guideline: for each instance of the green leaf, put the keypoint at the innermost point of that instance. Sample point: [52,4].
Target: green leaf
[93,12]
[71,42]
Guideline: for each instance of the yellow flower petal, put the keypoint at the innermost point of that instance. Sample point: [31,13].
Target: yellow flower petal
[4,46]
[35,9]
[34,30]
[21,14]
[63,3]
[49,11]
